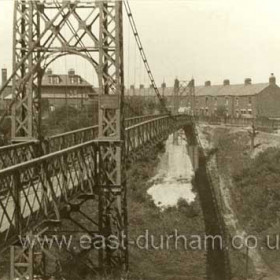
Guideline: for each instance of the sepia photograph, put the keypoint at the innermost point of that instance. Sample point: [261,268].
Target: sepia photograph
[139,140]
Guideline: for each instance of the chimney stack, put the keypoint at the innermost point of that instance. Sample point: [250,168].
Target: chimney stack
[71,72]
[226,82]
[4,76]
[163,85]
[272,79]
[141,86]
[207,83]
[248,81]
[49,71]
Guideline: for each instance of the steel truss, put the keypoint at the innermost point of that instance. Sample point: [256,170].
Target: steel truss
[45,31]
[47,191]
[184,91]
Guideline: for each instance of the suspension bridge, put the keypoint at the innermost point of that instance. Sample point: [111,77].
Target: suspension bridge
[44,180]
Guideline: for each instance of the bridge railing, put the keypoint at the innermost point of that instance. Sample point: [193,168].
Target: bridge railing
[17,153]
[147,132]
[34,191]
[13,154]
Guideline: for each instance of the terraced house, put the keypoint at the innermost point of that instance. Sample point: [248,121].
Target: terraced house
[239,100]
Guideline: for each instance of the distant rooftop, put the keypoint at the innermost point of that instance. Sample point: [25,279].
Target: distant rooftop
[65,80]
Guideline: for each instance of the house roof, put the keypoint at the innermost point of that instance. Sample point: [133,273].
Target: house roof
[213,90]
[234,90]
[65,80]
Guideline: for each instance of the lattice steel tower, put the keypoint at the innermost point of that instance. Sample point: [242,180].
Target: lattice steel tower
[47,30]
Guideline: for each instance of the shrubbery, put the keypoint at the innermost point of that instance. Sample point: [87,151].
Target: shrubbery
[258,185]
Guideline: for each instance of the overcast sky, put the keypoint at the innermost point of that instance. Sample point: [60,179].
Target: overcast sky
[205,39]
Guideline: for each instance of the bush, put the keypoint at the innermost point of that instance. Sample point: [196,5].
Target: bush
[259,190]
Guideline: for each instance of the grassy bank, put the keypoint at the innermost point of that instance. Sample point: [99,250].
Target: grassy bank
[253,184]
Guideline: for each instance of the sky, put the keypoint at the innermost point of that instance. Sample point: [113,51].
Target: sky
[201,39]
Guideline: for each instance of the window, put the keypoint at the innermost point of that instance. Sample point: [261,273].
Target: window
[250,111]
[226,101]
[72,80]
[236,101]
[55,80]
[250,101]
[237,113]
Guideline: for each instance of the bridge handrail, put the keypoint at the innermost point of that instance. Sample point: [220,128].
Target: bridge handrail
[34,161]
[70,149]
[72,132]
[20,152]
[19,145]
[146,122]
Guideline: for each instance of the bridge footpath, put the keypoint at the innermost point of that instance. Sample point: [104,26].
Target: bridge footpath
[34,191]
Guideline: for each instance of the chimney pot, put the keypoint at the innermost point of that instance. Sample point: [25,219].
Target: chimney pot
[226,82]
[272,79]
[163,85]
[248,81]
[71,72]
[4,76]
[49,71]
[207,83]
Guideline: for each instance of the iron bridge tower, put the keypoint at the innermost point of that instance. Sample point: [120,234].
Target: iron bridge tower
[43,32]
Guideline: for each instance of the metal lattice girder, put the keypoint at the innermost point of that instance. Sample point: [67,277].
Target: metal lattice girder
[21,263]
[27,262]
[21,152]
[25,112]
[34,191]
[112,198]
[183,90]
[47,30]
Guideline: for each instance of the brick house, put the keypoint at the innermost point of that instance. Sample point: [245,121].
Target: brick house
[57,90]
[70,89]
[239,100]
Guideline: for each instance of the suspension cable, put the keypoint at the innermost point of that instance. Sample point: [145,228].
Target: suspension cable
[143,55]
